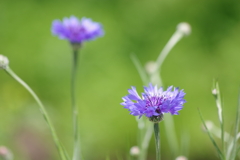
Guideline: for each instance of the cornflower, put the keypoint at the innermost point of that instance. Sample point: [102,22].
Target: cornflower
[154,102]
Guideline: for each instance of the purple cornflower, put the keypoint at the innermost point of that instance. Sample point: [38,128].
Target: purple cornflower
[77,31]
[154,102]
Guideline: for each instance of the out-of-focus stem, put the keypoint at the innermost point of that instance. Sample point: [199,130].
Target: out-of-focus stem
[171,134]
[61,150]
[144,126]
[140,69]
[231,146]
[145,141]
[171,43]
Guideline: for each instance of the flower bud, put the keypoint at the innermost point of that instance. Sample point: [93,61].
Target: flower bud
[184,28]
[150,67]
[134,151]
[5,154]
[3,62]
[181,158]
[156,119]
[214,91]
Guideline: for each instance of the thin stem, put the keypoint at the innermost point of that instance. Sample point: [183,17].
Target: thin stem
[231,146]
[76,152]
[144,126]
[220,154]
[157,140]
[141,131]
[155,78]
[217,133]
[185,139]
[43,111]
[234,148]
[220,112]
[171,43]
[140,69]
[171,134]
[145,141]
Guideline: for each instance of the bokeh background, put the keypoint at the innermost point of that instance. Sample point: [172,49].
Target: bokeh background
[106,72]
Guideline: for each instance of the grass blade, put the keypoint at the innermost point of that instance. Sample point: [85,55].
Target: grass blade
[65,151]
[234,151]
[221,156]
[217,96]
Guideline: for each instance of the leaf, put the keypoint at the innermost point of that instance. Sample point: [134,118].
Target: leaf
[211,137]
[235,138]
[217,95]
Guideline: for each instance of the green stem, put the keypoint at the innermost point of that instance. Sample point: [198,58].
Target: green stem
[170,44]
[157,140]
[220,112]
[76,152]
[171,134]
[139,68]
[145,141]
[43,111]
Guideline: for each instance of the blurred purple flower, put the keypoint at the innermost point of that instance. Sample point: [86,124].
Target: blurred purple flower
[154,102]
[75,30]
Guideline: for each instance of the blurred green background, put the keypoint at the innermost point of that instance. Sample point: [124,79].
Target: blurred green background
[106,72]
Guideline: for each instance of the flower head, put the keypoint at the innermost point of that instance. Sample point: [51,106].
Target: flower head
[134,151]
[75,30]
[3,62]
[154,102]
[214,92]
[184,28]
[151,67]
